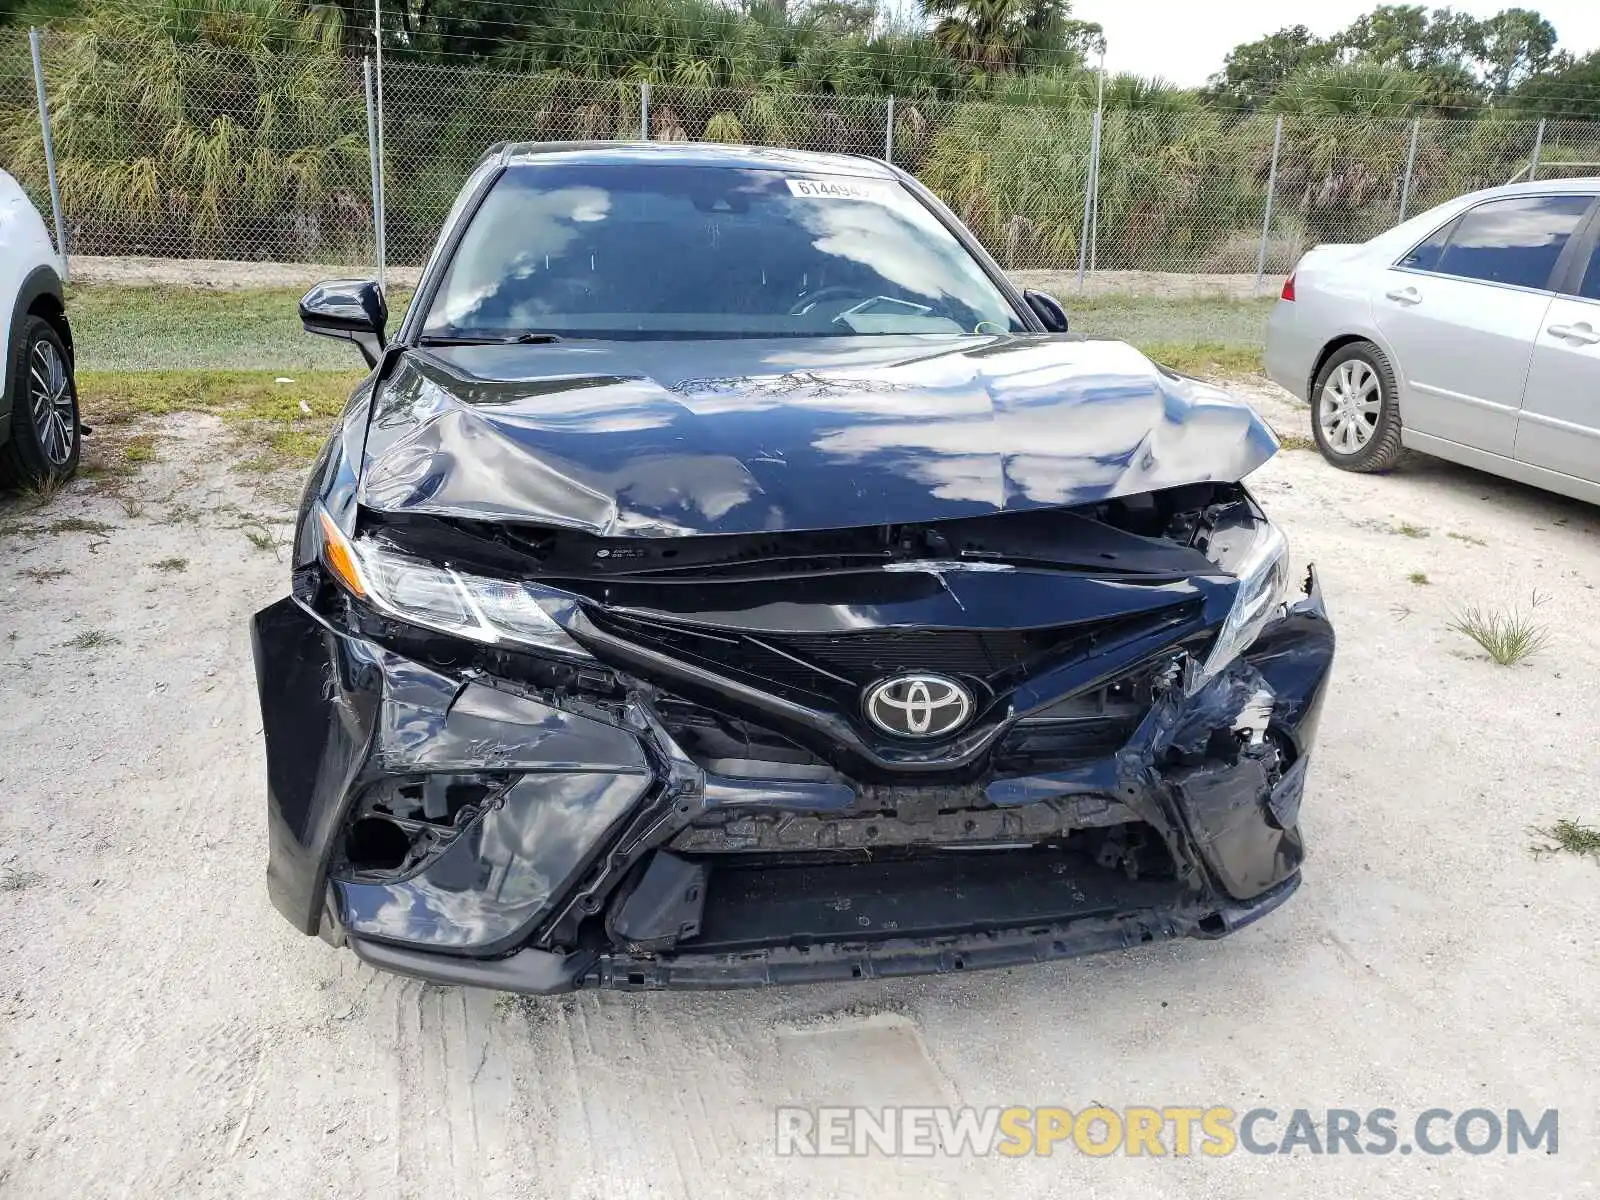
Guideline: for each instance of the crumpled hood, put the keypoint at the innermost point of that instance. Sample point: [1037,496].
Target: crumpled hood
[656,438]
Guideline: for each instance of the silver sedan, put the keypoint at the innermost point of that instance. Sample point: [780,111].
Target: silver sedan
[1471,332]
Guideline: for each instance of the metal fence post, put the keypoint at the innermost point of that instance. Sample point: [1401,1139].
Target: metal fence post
[1099,146]
[1090,184]
[372,154]
[1538,145]
[1094,202]
[1411,166]
[380,218]
[1266,220]
[888,132]
[644,110]
[49,152]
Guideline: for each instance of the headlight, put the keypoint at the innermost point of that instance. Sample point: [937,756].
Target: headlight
[1262,567]
[492,611]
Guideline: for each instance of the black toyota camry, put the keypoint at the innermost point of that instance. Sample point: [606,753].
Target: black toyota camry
[726,577]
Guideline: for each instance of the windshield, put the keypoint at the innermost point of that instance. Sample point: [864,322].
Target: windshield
[617,251]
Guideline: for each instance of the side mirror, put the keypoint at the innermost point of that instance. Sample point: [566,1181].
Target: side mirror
[1048,309]
[351,309]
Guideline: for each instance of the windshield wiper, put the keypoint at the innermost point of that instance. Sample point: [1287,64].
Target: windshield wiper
[488,339]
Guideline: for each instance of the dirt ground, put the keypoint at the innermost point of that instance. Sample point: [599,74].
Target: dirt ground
[164,1033]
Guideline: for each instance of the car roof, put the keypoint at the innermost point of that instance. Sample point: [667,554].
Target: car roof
[1545,187]
[692,154]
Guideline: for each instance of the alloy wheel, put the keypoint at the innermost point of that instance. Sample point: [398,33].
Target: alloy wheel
[50,397]
[1350,405]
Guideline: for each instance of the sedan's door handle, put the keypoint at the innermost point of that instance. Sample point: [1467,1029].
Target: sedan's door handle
[1582,332]
[1405,295]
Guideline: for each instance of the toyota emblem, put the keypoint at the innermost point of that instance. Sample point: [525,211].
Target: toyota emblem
[918,706]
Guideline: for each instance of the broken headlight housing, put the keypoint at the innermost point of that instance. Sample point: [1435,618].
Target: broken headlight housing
[496,612]
[1257,554]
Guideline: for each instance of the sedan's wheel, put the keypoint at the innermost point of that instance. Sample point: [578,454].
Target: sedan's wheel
[1355,417]
[44,439]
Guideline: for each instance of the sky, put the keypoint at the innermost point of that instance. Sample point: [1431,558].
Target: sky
[1184,41]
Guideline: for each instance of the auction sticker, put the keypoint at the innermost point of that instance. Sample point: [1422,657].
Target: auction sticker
[841,189]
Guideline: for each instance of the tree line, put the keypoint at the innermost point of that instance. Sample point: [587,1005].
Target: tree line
[1396,60]
[237,128]
[1442,61]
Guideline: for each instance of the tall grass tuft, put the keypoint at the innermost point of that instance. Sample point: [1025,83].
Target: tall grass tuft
[1507,635]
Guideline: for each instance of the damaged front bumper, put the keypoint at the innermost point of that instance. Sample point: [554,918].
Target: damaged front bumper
[535,836]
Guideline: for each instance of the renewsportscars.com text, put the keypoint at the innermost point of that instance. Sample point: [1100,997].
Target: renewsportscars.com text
[1155,1132]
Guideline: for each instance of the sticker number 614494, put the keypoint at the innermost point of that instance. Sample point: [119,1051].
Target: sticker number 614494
[840,189]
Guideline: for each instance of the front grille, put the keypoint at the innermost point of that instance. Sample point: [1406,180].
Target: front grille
[1050,745]
[754,901]
[729,745]
[1084,726]
[834,667]
[981,653]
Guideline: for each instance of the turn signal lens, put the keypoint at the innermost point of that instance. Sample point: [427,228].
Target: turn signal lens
[339,557]
[1288,289]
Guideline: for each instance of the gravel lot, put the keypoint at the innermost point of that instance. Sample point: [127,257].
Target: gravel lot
[163,1032]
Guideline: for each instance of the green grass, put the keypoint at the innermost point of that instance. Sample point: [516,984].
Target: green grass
[1205,358]
[169,565]
[1420,578]
[91,639]
[120,328]
[63,525]
[1571,837]
[1506,635]
[276,422]
[15,879]
[1231,327]
[117,397]
[260,536]
[1406,529]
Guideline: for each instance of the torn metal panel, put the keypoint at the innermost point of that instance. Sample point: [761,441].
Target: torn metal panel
[631,440]
[318,710]
[430,722]
[494,878]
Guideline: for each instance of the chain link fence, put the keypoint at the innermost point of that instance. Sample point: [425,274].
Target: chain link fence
[211,153]
[207,153]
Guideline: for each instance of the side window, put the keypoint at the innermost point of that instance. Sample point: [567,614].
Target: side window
[1589,285]
[1425,256]
[1516,240]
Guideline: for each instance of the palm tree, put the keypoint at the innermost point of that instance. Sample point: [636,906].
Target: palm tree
[997,35]
[198,125]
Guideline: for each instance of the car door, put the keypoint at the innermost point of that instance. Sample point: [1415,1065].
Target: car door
[1461,312]
[1559,427]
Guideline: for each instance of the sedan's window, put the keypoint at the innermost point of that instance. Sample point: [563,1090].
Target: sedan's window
[629,250]
[1425,257]
[1516,240]
[1589,286]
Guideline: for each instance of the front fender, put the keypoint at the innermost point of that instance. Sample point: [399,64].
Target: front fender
[41,281]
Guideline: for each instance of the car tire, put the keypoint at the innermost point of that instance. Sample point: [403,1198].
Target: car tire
[45,438]
[1355,410]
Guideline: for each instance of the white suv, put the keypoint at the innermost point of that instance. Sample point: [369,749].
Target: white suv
[39,433]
